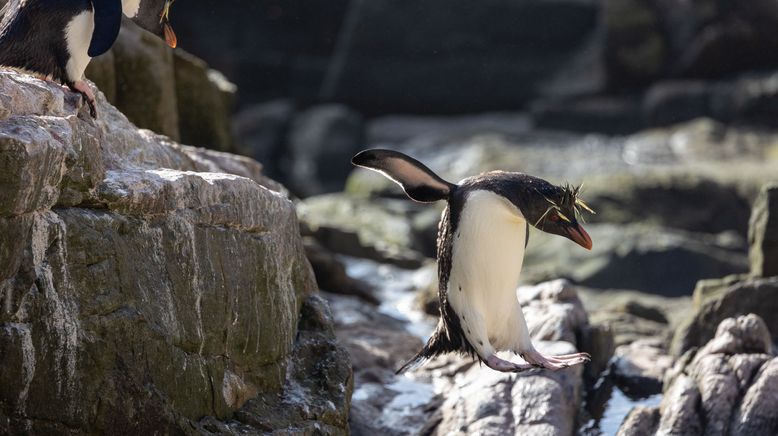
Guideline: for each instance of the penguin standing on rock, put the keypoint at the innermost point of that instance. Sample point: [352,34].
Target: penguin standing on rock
[56,39]
[481,240]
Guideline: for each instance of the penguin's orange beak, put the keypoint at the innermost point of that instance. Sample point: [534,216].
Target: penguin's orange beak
[577,234]
[164,19]
[170,36]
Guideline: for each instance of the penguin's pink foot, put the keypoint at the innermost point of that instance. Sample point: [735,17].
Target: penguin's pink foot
[501,365]
[82,88]
[555,363]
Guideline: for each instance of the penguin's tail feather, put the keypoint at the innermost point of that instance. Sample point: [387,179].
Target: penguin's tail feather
[440,342]
[418,181]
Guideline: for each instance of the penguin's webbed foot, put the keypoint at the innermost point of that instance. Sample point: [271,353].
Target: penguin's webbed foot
[501,365]
[82,88]
[554,363]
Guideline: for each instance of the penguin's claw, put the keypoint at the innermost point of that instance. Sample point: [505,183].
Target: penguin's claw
[555,363]
[501,365]
[86,92]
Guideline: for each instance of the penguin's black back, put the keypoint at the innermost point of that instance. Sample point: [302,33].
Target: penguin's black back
[32,36]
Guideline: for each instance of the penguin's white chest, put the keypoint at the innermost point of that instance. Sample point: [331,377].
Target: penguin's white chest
[487,257]
[78,36]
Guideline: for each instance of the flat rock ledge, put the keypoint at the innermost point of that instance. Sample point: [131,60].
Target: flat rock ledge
[147,286]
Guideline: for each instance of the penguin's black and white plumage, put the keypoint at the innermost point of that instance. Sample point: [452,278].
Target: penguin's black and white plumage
[482,235]
[56,39]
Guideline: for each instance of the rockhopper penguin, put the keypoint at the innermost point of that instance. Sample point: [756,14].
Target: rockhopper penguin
[56,39]
[481,240]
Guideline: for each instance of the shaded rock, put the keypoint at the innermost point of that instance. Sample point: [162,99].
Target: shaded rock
[641,421]
[383,65]
[145,81]
[715,390]
[646,39]
[331,273]
[650,259]
[318,386]
[757,296]
[356,227]
[145,287]
[102,71]
[639,368]
[763,233]
[261,131]
[635,49]
[676,101]
[602,114]
[322,142]
[204,102]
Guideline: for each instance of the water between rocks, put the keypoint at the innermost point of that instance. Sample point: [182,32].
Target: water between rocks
[395,288]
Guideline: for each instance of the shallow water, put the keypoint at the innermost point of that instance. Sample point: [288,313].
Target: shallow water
[618,407]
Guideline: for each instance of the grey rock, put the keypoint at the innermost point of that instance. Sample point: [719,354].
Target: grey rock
[146,285]
[145,81]
[763,233]
[727,387]
[204,100]
[756,295]
[322,142]
[641,421]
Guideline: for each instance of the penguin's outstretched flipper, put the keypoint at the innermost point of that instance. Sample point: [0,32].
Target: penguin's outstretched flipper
[108,21]
[418,181]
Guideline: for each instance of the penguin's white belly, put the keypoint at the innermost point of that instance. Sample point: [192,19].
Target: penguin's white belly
[487,257]
[78,36]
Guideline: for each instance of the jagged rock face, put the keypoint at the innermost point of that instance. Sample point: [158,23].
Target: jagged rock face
[716,300]
[763,233]
[728,387]
[144,284]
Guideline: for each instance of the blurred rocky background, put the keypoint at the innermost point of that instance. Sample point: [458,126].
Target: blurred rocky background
[149,285]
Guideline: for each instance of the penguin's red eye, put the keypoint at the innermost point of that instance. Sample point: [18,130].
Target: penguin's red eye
[554,217]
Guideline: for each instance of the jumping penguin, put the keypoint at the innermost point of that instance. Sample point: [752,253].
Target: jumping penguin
[481,240]
[56,39]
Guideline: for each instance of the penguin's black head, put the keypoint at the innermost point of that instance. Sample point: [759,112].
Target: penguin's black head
[154,16]
[556,209]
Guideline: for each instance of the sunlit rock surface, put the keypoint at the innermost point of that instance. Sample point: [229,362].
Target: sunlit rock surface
[727,387]
[148,286]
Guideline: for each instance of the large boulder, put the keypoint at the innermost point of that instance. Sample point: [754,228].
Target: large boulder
[763,233]
[718,299]
[148,285]
[146,81]
[728,387]
[204,100]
